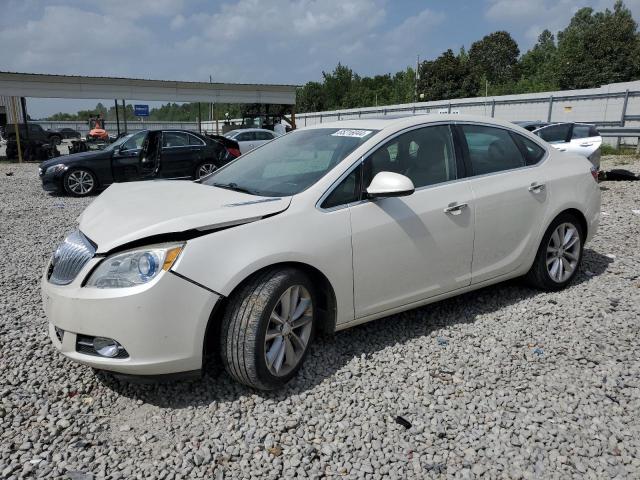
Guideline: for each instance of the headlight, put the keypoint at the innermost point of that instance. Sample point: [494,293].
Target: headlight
[56,168]
[134,267]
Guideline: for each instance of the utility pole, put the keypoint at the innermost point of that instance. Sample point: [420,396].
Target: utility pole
[415,92]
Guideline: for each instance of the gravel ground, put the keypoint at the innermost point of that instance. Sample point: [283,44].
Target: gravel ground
[505,382]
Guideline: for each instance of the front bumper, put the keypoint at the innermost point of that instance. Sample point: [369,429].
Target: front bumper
[52,182]
[161,325]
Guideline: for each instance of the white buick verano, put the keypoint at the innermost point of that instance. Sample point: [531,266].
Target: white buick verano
[321,229]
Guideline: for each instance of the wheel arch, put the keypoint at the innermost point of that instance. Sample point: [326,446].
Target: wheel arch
[326,297]
[576,213]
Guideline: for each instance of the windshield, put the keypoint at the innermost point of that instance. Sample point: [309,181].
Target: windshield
[132,140]
[290,163]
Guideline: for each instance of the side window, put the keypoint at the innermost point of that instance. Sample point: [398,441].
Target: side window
[491,149]
[580,131]
[593,131]
[174,139]
[264,136]
[425,155]
[135,142]
[346,192]
[554,133]
[533,152]
[245,137]
[193,140]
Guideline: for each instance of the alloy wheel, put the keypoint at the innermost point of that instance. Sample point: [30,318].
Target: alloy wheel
[206,169]
[80,182]
[289,330]
[563,252]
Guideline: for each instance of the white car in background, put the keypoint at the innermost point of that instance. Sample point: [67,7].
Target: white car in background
[579,138]
[250,138]
[322,229]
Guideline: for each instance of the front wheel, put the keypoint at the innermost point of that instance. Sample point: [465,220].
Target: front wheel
[80,182]
[267,328]
[559,254]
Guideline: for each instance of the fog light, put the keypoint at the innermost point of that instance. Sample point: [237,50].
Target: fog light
[106,347]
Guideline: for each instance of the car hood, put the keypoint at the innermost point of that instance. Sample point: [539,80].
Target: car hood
[126,212]
[75,157]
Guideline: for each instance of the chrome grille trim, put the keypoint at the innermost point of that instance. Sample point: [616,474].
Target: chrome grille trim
[70,257]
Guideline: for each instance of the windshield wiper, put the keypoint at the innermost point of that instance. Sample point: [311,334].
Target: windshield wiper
[235,187]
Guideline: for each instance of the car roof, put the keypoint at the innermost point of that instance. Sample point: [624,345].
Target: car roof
[407,121]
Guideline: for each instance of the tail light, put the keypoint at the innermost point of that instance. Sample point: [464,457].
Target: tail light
[594,173]
[233,151]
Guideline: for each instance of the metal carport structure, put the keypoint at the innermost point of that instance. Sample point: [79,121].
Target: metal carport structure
[13,84]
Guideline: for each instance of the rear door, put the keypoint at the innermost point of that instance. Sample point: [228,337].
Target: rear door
[586,141]
[176,157]
[246,140]
[510,197]
[558,135]
[263,137]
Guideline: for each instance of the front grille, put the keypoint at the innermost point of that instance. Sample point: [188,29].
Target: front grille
[70,257]
[84,344]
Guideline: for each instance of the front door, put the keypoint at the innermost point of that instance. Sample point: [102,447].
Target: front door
[410,248]
[125,160]
[510,196]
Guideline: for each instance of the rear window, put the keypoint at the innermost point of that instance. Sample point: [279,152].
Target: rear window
[532,152]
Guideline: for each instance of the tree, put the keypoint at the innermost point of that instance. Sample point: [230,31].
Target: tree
[495,58]
[598,48]
[337,86]
[311,98]
[448,76]
[538,66]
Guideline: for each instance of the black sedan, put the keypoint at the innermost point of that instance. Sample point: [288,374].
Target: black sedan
[145,155]
[66,132]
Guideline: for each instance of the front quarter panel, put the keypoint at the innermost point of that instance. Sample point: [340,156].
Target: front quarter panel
[223,259]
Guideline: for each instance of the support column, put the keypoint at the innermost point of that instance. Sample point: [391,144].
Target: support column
[25,117]
[550,108]
[124,115]
[117,117]
[623,115]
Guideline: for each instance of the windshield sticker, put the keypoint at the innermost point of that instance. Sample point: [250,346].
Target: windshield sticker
[351,133]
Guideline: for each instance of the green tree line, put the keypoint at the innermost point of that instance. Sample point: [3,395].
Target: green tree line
[596,48]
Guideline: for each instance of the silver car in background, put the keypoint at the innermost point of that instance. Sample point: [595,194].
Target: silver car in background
[579,138]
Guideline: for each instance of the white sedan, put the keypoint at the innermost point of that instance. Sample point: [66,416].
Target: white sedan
[322,229]
[250,138]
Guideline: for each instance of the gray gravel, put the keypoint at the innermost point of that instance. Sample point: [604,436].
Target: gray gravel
[505,382]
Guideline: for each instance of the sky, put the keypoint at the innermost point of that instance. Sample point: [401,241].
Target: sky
[254,41]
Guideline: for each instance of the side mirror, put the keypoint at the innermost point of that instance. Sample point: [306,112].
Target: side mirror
[389,184]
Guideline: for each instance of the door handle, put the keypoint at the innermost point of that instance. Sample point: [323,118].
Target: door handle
[586,144]
[536,187]
[455,208]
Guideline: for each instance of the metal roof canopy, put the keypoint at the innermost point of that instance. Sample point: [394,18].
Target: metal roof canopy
[71,86]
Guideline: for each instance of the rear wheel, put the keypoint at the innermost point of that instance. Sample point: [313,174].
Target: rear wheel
[267,328]
[559,255]
[80,182]
[204,169]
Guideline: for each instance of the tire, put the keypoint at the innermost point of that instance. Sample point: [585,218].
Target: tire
[245,348]
[205,168]
[80,182]
[550,269]
[56,140]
